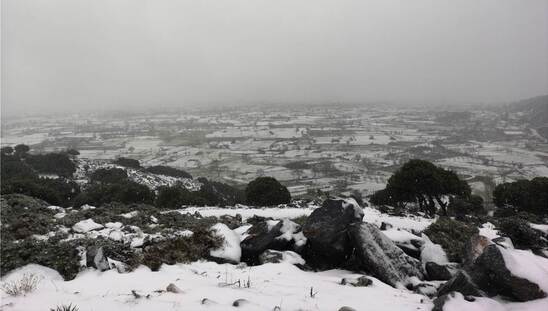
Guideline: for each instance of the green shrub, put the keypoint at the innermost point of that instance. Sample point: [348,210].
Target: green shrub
[108,175]
[266,191]
[452,235]
[168,171]
[127,162]
[124,192]
[521,233]
[524,195]
[52,163]
[181,250]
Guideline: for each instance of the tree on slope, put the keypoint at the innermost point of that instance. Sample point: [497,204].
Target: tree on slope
[423,183]
[265,191]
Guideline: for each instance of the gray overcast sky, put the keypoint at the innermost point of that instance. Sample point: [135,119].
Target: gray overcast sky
[73,54]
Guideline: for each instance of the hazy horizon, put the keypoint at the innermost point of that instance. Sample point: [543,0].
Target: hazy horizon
[95,55]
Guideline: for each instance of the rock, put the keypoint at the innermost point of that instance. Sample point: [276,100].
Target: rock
[232,222]
[426,289]
[435,272]
[96,258]
[271,256]
[240,302]
[385,226]
[473,248]
[377,254]
[504,242]
[362,281]
[229,251]
[410,250]
[275,235]
[491,274]
[208,302]
[440,302]
[461,283]
[326,229]
[86,226]
[172,288]
[345,308]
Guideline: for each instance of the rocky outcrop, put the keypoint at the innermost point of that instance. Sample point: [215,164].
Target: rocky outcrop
[275,235]
[474,248]
[381,257]
[491,274]
[436,272]
[461,283]
[326,229]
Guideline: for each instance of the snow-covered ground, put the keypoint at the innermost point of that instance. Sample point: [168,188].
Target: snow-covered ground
[209,286]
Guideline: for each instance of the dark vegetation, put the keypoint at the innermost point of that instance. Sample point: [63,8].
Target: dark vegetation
[524,195]
[127,162]
[168,171]
[423,183]
[452,235]
[266,191]
[20,174]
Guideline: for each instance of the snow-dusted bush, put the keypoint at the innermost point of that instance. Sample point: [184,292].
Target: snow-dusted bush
[452,235]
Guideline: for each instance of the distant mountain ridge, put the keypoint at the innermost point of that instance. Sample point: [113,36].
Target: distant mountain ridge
[535,110]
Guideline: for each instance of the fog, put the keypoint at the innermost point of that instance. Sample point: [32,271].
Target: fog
[75,55]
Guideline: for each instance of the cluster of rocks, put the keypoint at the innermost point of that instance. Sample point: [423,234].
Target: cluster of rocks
[485,273]
[333,236]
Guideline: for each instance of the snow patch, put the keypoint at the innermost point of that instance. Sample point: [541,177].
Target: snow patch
[231,245]
[86,226]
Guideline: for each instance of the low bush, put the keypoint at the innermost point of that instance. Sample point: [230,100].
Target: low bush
[127,162]
[181,250]
[266,191]
[521,233]
[452,235]
[168,171]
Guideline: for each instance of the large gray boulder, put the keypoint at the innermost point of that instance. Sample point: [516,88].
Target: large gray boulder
[377,254]
[326,229]
[490,273]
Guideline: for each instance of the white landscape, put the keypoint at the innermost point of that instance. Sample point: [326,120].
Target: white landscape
[276,155]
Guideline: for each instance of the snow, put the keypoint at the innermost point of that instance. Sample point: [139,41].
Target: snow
[410,223]
[231,245]
[527,265]
[292,258]
[543,228]
[431,252]
[400,236]
[272,285]
[86,226]
[41,272]
[458,303]
[130,214]
[247,212]
[488,231]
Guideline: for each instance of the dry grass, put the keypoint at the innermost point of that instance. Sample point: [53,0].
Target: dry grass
[25,285]
[69,307]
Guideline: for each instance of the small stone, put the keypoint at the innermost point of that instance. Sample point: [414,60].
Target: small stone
[207,301]
[239,302]
[385,226]
[363,281]
[172,288]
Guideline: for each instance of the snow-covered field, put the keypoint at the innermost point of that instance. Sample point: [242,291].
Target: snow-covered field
[209,286]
